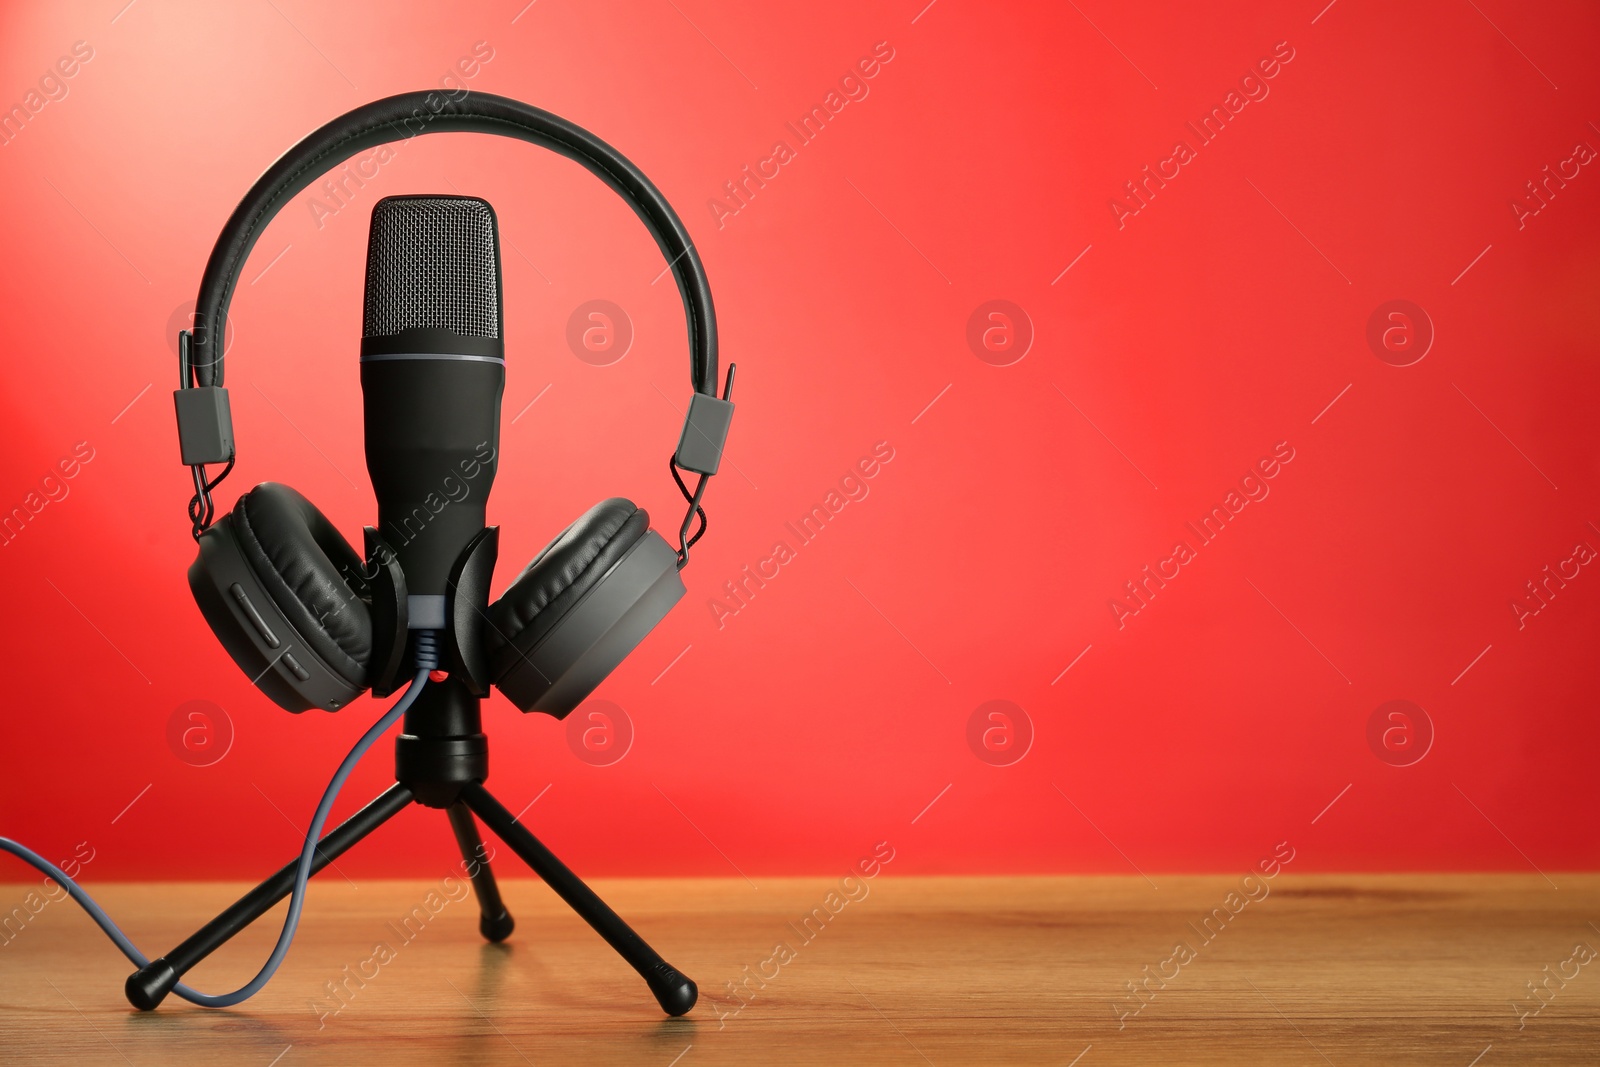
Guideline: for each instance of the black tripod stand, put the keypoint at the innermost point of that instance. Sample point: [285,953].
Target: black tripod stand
[441,761]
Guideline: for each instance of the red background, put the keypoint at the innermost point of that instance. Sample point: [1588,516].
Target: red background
[831,710]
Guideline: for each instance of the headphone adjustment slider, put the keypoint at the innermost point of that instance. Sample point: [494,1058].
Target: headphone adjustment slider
[705,431]
[205,424]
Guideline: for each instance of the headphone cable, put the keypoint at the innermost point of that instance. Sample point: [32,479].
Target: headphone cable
[291,921]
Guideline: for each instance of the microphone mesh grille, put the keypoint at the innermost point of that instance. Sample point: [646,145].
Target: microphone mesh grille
[432,263]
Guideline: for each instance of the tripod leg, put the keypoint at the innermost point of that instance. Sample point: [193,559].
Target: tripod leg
[149,985]
[494,921]
[673,990]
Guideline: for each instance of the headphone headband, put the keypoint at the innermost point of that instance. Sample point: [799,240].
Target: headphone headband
[268,574]
[398,118]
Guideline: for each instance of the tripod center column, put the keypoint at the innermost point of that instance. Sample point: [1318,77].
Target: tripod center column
[443,746]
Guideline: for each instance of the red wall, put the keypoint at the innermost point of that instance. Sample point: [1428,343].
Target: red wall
[1173,349]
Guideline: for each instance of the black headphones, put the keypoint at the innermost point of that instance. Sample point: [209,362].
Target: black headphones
[314,624]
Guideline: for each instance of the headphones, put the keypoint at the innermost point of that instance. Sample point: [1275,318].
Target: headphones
[313,623]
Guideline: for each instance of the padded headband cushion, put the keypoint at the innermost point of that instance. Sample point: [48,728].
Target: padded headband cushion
[308,568]
[558,577]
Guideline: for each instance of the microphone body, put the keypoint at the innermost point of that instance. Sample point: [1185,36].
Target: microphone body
[432,378]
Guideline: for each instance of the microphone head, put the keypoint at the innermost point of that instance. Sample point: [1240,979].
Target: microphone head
[432,378]
[433,264]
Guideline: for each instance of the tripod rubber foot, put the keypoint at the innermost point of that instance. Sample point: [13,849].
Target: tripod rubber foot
[149,985]
[674,990]
[497,927]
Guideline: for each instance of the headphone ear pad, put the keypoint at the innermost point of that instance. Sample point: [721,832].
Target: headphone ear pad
[580,607]
[285,593]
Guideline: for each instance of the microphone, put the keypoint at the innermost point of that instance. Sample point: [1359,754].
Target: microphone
[432,376]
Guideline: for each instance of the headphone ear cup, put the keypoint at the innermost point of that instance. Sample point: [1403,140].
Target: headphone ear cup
[286,595]
[580,607]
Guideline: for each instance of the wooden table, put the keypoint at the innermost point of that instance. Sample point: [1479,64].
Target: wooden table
[1326,969]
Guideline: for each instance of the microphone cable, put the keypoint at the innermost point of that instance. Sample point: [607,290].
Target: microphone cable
[426,652]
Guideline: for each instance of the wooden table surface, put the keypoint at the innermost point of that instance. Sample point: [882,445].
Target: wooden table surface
[1325,969]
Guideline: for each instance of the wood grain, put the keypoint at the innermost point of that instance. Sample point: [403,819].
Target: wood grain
[1326,969]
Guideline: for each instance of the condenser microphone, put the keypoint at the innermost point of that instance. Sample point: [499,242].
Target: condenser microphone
[432,375]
